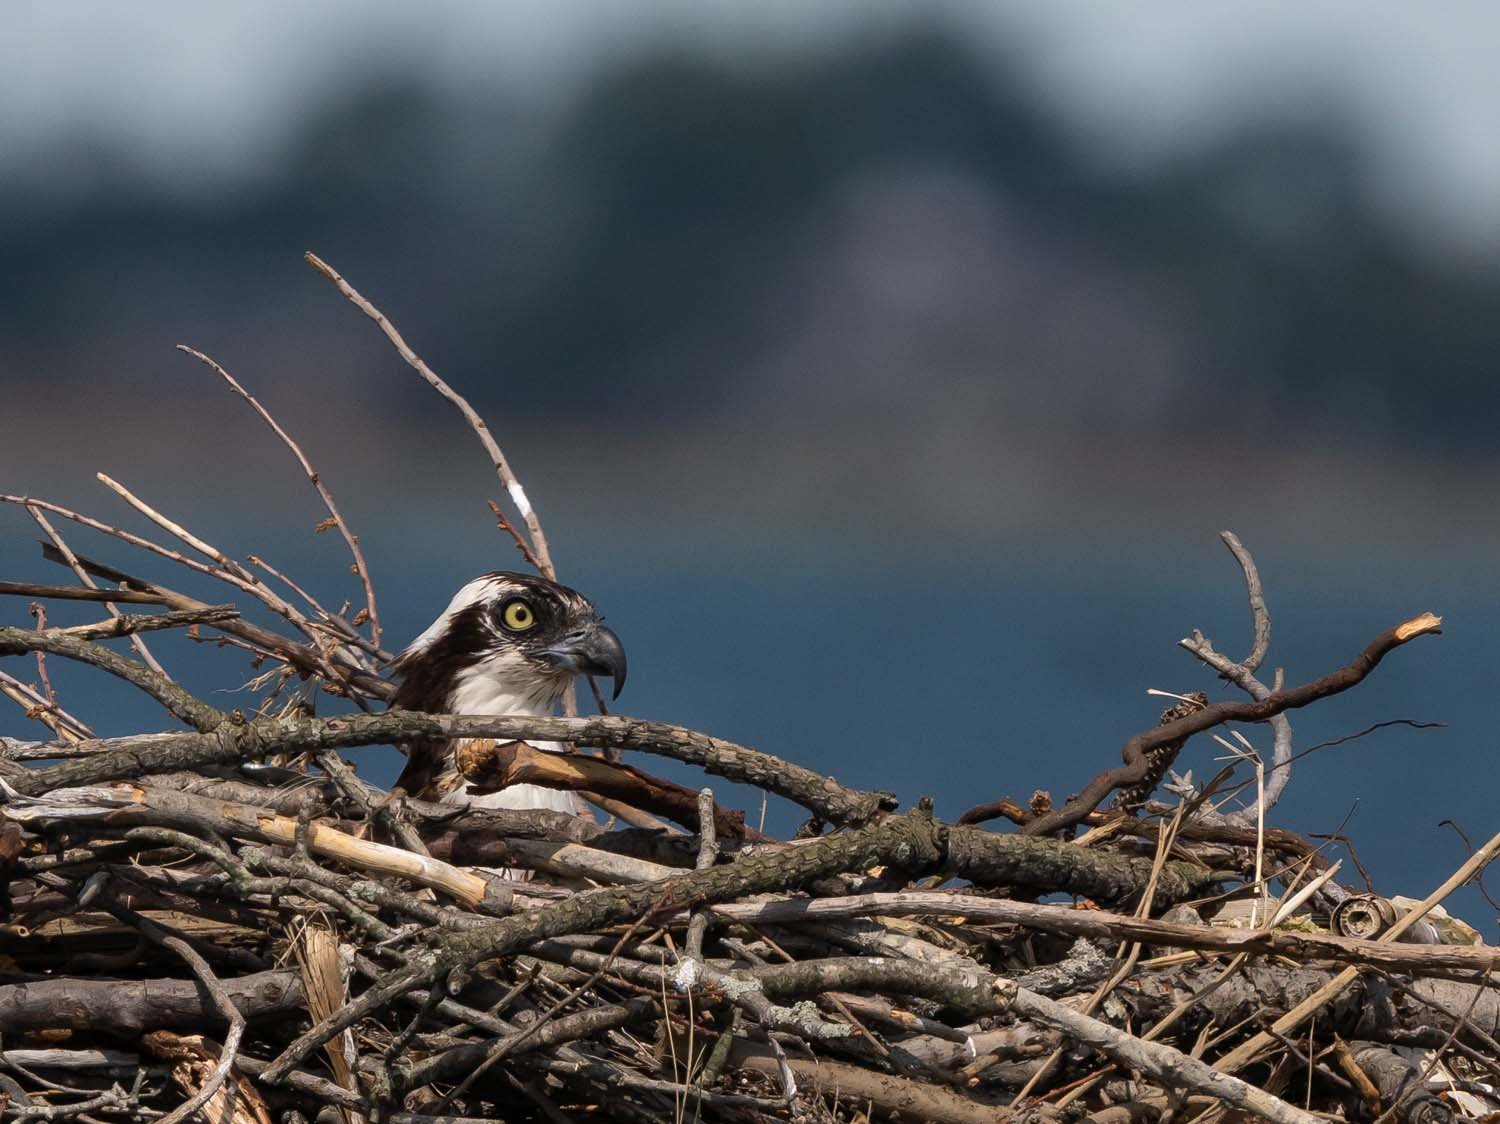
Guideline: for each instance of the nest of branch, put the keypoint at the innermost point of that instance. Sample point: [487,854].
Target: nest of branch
[227,921]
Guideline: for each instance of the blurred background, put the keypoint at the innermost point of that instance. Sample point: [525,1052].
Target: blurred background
[884,371]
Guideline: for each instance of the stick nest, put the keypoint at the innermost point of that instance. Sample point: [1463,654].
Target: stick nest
[226,921]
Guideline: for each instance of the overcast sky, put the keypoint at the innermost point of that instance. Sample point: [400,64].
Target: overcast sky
[212,88]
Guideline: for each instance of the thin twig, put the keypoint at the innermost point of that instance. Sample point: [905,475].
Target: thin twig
[521,544]
[38,613]
[1135,751]
[361,567]
[51,715]
[497,458]
[72,559]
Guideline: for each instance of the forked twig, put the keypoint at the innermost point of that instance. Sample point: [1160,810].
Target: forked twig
[39,614]
[1242,675]
[1259,710]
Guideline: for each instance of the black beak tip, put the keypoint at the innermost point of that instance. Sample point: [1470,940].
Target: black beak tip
[597,651]
[614,661]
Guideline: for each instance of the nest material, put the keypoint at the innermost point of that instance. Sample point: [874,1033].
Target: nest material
[230,923]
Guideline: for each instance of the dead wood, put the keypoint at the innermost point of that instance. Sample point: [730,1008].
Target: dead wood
[1136,750]
[129,1007]
[157,889]
[490,765]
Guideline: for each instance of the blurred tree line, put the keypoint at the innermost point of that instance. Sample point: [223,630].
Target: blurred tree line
[893,222]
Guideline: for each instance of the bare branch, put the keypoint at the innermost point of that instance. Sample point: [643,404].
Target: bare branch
[361,567]
[135,641]
[1256,711]
[497,458]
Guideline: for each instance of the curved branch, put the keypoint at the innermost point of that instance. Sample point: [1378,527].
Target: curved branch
[1260,616]
[1135,750]
[1242,675]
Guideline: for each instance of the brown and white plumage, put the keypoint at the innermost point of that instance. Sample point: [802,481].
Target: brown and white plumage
[507,643]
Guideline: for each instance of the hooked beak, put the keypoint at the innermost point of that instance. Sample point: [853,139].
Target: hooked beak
[594,650]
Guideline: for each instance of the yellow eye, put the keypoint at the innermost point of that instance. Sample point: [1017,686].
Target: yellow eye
[517,616]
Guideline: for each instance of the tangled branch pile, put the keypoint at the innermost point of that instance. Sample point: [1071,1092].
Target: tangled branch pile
[229,921]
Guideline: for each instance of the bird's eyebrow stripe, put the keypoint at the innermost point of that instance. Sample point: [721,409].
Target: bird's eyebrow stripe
[492,586]
[471,594]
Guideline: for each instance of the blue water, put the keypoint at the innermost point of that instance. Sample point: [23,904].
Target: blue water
[966,684]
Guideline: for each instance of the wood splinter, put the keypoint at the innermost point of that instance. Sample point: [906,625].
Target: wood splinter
[491,765]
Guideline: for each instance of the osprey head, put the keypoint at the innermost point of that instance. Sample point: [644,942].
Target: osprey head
[507,644]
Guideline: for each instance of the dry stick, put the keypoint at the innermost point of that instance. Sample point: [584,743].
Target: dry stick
[231,1039]
[1172,1068]
[708,854]
[50,715]
[370,801]
[245,579]
[505,525]
[909,840]
[509,1045]
[335,622]
[1352,1069]
[253,586]
[537,549]
[302,657]
[75,593]
[497,458]
[72,559]
[195,813]
[39,614]
[230,571]
[490,766]
[1260,616]
[360,566]
[1164,843]
[1099,925]
[821,795]
[1246,1052]
[114,532]
[635,817]
[112,1098]
[127,624]
[1136,749]
[222,1001]
[1170,1019]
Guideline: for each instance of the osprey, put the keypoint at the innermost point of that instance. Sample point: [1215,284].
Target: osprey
[506,644]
